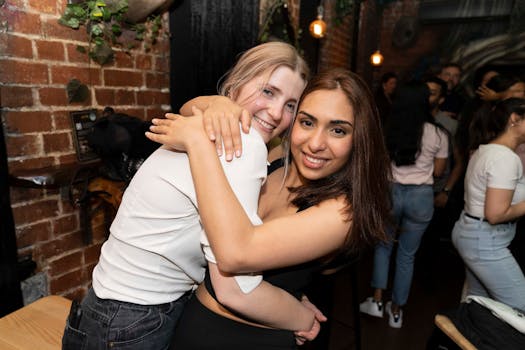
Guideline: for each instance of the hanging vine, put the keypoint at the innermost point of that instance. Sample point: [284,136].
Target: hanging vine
[278,25]
[104,21]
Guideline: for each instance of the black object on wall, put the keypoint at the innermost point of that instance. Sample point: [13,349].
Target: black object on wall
[10,292]
[206,39]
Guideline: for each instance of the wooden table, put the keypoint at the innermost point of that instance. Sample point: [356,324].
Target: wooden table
[37,326]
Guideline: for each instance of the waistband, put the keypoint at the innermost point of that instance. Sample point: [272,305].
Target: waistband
[485,220]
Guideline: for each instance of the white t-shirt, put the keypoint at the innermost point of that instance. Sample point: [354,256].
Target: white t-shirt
[153,254]
[494,166]
[434,144]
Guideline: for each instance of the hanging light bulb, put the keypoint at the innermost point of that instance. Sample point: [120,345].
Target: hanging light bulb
[376,59]
[318,26]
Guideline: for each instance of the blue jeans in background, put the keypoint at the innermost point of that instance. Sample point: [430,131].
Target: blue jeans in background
[413,206]
[491,270]
[106,323]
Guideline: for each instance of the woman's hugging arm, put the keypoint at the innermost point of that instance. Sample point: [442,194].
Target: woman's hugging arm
[265,304]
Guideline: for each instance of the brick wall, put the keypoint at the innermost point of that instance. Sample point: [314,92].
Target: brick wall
[37,59]
[335,47]
[404,60]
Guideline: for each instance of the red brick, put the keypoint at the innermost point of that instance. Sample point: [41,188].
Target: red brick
[21,21]
[125,97]
[114,77]
[23,72]
[25,122]
[152,97]
[15,96]
[68,207]
[62,120]
[23,145]
[123,59]
[50,50]
[52,29]
[65,224]
[15,46]
[65,263]
[45,6]
[63,74]
[143,62]
[74,55]
[57,142]
[67,281]
[59,245]
[35,211]
[162,64]
[92,253]
[28,235]
[30,163]
[67,158]
[52,96]
[157,81]
[21,194]
[154,113]
[105,97]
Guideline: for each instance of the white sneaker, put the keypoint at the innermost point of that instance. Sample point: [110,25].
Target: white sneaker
[372,307]
[394,320]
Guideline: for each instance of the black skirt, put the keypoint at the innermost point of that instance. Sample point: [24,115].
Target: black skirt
[201,329]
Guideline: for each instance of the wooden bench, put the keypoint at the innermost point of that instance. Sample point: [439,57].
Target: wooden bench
[446,325]
[37,326]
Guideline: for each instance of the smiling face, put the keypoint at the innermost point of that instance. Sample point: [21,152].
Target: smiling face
[322,134]
[271,99]
[451,76]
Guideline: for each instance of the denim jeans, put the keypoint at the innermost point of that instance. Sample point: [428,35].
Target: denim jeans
[413,206]
[491,270]
[106,323]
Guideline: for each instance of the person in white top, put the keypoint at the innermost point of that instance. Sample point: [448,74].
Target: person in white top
[494,200]
[418,151]
[329,195]
[153,260]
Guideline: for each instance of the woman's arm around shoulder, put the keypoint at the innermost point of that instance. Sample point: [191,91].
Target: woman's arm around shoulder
[307,235]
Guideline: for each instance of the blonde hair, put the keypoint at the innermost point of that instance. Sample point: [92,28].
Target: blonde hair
[260,59]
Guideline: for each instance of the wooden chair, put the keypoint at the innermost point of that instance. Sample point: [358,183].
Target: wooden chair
[446,325]
[37,326]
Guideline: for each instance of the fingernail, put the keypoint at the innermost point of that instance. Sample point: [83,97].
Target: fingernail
[229,156]
[219,152]
[237,153]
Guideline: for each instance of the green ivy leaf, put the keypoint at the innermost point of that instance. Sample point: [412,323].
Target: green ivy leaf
[97,30]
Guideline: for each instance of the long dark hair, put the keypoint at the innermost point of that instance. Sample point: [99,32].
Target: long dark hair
[404,130]
[364,179]
[491,121]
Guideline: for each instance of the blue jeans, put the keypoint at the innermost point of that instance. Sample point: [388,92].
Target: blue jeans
[106,323]
[491,270]
[413,206]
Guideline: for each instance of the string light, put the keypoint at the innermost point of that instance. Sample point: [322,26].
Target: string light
[318,26]
[376,59]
